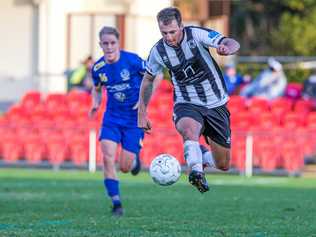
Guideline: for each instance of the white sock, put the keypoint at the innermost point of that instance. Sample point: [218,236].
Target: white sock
[193,155]
[208,159]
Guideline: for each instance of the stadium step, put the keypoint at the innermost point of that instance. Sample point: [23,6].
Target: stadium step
[309,171]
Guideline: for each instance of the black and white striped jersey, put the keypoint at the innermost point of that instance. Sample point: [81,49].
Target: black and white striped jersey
[195,75]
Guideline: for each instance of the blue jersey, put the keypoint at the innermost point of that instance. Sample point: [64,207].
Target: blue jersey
[122,81]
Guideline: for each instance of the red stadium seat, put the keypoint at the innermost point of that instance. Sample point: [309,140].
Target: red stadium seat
[242,121]
[34,149]
[281,106]
[79,149]
[238,152]
[266,120]
[31,99]
[306,140]
[56,102]
[293,120]
[11,148]
[292,156]
[57,149]
[311,120]
[303,106]
[236,104]
[15,112]
[268,153]
[258,105]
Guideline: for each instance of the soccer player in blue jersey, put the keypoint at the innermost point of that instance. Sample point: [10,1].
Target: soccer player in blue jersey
[120,73]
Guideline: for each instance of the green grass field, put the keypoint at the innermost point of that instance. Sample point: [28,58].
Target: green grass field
[73,203]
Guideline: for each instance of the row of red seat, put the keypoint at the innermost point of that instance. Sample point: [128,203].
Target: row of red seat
[49,144]
[271,149]
[52,134]
[277,106]
[275,148]
[248,120]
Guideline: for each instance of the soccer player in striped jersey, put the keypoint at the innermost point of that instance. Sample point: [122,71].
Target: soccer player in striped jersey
[200,94]
[120,73]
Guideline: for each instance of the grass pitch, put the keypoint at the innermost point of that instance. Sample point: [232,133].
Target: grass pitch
[73,203]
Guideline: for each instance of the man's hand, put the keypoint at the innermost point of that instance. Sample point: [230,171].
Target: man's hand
[146,90]
[136,105]
[223,50]
[228,46]
[93,111]
[143,122]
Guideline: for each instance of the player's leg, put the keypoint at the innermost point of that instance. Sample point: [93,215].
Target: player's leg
[190,132]
[220,155]
[110,138]
[207,157]
[131,144]
[217,133]
[189,122]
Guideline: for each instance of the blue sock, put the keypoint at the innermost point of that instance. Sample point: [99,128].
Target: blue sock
[112,187]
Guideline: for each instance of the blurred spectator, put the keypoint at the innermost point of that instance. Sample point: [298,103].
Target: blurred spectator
[269,84]
[293,91]
[233,80]
[80,78]
[309,89]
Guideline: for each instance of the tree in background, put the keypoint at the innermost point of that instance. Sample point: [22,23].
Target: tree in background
[275,27]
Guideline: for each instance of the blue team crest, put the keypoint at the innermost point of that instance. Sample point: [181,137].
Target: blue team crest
[103,77]
[125,75]
[212,34]
[120,96]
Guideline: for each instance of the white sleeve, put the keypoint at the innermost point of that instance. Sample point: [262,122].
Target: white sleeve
[207,37]
[154,64]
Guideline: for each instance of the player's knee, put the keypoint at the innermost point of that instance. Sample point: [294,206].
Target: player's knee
[189,134]
[223,167]
[124,169]
[108,161]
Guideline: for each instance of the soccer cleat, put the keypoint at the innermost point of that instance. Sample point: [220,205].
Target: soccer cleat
[198,180]
[136,166]
[117,211]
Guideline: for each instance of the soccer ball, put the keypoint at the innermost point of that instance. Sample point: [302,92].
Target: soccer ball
[165,169]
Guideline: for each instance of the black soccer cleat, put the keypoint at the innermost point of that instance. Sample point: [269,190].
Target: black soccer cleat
[117,211]
[198,180]
[136,166]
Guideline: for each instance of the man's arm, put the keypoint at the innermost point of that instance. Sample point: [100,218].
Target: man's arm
[96,93]
[145,93]
[228,46]
[156,83]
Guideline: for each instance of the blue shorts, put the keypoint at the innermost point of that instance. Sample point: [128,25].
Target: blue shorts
[131,139]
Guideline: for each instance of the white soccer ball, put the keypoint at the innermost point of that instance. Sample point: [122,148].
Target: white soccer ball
[165,169]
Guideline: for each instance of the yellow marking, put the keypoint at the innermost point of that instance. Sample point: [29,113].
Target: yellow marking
[103,77]
[98,65]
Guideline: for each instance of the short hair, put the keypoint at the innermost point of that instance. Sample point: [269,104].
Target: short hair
[108,30]
[168,14]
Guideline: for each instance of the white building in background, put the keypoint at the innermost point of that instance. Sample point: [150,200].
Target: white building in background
[43,38]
